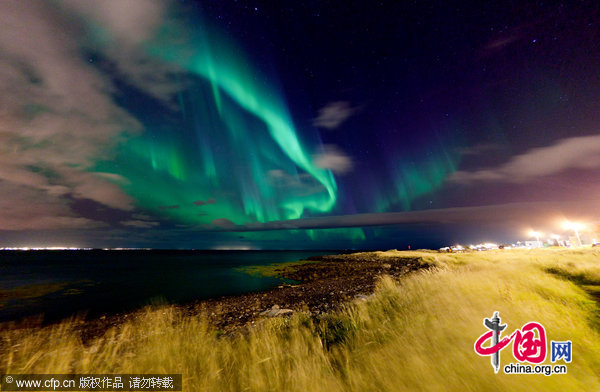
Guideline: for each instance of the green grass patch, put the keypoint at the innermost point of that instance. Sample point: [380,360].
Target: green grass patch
[272,270]
[29,292]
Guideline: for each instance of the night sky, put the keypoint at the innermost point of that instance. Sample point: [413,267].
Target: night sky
[296,124]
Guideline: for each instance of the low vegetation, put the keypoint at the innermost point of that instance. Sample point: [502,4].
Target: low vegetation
[414,334]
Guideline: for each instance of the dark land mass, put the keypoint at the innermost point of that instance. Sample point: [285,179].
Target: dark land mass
[320,285]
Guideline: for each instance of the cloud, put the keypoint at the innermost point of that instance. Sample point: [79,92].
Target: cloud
[514,214]
[95,188]
[129,24]
[223,223]
[581,152]
[202,202]
[333,114]
[116,178]
[300,185]
[499,43]
[130,21]
[334,159]
[140,224]
[141,217]
[26,208]
[58,117]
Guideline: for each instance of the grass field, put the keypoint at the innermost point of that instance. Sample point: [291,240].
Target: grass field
[414,335]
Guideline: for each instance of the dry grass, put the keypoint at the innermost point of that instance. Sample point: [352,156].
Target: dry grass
[417,335]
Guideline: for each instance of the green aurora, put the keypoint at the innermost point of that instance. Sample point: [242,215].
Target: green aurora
[234,156]
[246,154]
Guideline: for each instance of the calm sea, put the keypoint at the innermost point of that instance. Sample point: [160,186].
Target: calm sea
[58,284]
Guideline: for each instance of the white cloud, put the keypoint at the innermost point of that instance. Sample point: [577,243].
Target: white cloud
[334,114]
[57,118]
[95,188]
[334,159]
[27,208]
[581,152]
[130,23]
[299,185]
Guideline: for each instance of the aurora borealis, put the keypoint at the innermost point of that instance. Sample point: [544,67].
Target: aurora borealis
[236,143]
[201,123]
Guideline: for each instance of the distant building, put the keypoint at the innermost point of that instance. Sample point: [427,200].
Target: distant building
[533,244]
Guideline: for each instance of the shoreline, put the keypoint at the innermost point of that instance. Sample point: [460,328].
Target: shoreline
[324,284]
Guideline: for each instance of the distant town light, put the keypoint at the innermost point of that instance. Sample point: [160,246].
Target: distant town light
[575,226]
[537,235]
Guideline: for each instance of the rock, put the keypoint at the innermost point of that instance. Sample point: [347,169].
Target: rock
[284,312]
[267,312]
[276,311]
[387,266]
[361,297]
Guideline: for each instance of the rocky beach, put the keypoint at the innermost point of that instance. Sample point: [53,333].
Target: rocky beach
[324,284]
[317,286]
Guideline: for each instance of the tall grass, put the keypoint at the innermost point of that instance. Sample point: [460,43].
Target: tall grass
[414,335]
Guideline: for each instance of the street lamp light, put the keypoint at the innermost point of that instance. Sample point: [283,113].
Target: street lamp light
[575,226]
[537,235]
